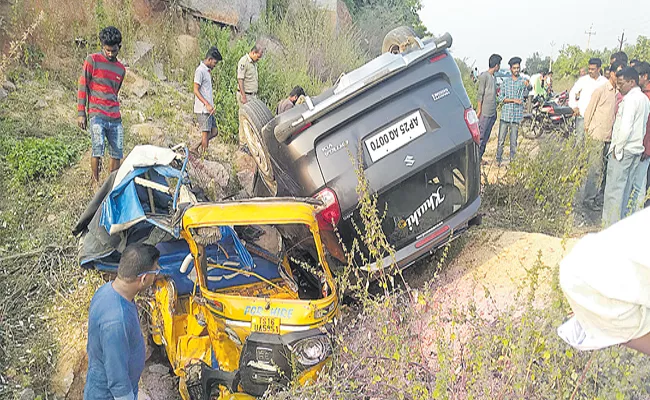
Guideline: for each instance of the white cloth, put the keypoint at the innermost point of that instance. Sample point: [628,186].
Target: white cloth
[584,87]
[605,278]
[630,124]
[143,156]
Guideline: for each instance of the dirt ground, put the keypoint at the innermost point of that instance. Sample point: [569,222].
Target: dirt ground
[490,275]
[498,262]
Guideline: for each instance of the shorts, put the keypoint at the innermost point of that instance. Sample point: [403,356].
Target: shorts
[102,130]
[206,122]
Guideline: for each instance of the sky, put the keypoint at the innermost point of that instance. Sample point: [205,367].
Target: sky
[480,28]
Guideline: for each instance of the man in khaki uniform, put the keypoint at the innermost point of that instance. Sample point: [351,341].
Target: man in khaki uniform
[247,83]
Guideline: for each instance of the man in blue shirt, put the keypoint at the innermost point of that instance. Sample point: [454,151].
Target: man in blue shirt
[512,112]
[115,348]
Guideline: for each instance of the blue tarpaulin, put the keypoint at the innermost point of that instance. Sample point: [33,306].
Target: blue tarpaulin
[123,207]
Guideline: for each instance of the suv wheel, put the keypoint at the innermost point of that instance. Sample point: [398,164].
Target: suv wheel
[252,117]
[398,40]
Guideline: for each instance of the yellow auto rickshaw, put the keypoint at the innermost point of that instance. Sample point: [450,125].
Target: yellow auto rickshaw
[247,300]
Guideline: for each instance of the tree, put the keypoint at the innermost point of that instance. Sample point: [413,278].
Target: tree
[536,64]
[572,58]
[641,50]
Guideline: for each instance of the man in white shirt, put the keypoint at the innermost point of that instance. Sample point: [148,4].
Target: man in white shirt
[203,101]
[580,94]
[626,146]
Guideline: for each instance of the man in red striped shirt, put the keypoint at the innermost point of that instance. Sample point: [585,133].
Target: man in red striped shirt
[99,84]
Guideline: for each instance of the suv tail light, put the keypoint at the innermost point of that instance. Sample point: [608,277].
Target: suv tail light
[438,57]
[471,119]
[329,214]
[301,129]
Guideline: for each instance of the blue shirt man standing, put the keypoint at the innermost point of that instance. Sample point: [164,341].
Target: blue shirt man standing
[116,351]
[512,112]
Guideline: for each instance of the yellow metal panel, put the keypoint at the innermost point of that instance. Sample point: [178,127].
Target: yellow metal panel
[193,348]
[250,212]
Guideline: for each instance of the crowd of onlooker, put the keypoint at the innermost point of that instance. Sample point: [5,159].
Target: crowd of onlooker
[611,106]
[615,113]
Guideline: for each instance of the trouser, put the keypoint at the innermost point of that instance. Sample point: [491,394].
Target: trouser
[647,187]
[504,128]
[597,176]
[248,96]
[485,125]
[620,176]
[639,187]
[580,129]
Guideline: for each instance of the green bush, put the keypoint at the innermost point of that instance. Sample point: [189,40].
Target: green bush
[471,87]
[38,158]
[539,189]
[224,76]
[290,62]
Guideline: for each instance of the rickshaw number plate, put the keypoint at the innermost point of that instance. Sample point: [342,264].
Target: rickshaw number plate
[265,325]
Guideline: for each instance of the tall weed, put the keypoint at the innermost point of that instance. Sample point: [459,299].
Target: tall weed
[304,49]
[538,191]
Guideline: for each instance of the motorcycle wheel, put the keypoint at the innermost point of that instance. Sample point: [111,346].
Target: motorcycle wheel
[531,128]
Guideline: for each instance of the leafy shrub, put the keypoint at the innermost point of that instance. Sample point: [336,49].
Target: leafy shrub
[37,158]
[290,61]
[538,191]
[224,75]
[471,87]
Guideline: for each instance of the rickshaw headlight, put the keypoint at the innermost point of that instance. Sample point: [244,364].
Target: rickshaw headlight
[312,350]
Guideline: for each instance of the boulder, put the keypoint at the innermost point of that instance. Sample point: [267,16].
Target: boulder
[159,71]
[27,394]
[240,14]
[69,377]
[193,27]
[135,85]
[157,383]
[211,176]
[218,172]
[142,51]
[247,181]
[159,369]
[40,104]
[187,47]
[9,86]
[3,94]
[246,167]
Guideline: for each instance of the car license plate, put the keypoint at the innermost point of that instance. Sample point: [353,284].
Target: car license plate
[265,325]
[395,136]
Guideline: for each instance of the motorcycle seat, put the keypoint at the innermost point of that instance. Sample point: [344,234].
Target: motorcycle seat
[563,110]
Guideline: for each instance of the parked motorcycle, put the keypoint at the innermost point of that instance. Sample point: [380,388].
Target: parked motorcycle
[548,116]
